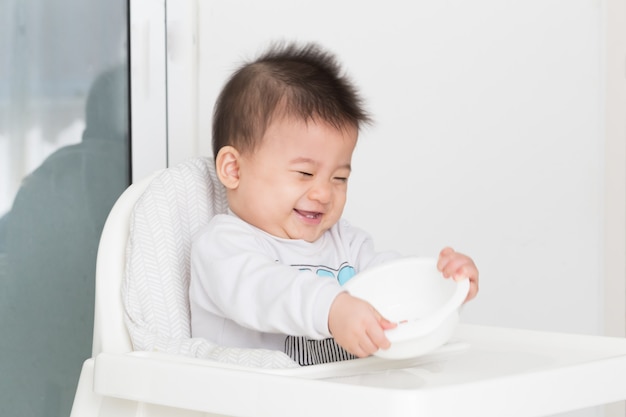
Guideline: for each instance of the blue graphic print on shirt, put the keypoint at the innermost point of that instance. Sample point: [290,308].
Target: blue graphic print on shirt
[341,274]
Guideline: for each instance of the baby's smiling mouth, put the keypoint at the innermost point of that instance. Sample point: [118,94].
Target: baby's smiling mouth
[312,215]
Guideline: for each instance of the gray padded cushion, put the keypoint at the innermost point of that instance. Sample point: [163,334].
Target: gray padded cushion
[176,204]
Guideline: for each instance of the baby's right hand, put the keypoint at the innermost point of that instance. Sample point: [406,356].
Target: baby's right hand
[357,326]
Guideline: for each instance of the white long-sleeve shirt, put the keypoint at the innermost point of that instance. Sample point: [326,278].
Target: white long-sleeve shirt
[251,289]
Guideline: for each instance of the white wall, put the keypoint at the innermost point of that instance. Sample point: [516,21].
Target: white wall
[489,133]
[500,131]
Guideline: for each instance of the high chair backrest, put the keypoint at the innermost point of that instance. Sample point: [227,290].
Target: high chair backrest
[110,333]
[154,220]
[176,204]
[144,256]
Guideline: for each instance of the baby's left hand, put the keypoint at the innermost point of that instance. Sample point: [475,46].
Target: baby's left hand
[457,266]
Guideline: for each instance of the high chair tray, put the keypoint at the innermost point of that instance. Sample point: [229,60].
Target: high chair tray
[485,371]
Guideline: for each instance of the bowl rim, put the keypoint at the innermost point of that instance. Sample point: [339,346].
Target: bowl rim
[414,328]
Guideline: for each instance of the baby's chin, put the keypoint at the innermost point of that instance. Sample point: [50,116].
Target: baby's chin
[309,236]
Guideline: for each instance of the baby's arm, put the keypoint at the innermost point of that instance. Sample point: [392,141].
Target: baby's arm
[457,266]
[234,278]
[357,326]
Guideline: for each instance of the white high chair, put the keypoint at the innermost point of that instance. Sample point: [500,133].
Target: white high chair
[145,364]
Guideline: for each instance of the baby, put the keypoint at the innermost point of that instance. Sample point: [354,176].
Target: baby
[269,273]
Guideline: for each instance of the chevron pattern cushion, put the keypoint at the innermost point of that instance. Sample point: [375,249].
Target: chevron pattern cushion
[178,202]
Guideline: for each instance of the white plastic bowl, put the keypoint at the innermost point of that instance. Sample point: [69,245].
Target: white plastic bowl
[414,294]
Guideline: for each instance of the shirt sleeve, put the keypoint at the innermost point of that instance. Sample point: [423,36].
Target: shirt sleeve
[240,280]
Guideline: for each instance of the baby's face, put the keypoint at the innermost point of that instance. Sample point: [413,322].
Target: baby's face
[294,184]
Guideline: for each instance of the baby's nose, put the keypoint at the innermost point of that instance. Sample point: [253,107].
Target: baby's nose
[321,192]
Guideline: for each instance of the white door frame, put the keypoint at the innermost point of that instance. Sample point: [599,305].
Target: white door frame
[148,86]
[615,169]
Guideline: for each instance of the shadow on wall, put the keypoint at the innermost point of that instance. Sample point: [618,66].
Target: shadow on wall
[50,242]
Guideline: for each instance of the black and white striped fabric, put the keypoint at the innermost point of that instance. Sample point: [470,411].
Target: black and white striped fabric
[307,351]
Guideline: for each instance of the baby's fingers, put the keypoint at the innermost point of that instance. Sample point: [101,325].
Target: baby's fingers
[473,291]
[377,332]
[445,256]
[366,347]
[456,265]
[459,271]
[369,342]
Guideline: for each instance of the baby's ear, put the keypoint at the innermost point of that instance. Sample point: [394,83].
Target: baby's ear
[227,166]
